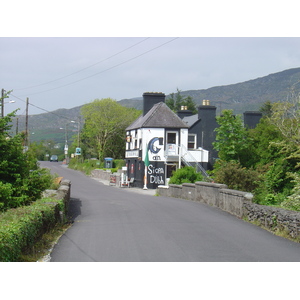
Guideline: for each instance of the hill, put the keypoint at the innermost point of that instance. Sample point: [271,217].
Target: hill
[244,96]
[250,95]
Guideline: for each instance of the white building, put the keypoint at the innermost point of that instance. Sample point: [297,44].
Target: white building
[163,137]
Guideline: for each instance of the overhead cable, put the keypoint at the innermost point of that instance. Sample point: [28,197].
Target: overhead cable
[45,83]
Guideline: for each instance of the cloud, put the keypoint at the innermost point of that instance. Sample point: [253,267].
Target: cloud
[68,72]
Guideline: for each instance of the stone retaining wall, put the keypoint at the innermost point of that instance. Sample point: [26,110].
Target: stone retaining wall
[63,192]
[106,175]
[237,203]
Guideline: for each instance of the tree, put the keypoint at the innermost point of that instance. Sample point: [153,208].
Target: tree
[21,180]
[103,132]
[176,100]
[266,109]
[231,137]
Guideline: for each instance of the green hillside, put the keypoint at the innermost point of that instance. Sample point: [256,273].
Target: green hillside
[244,96]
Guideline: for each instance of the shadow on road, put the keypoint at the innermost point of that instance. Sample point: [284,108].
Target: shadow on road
[74,209]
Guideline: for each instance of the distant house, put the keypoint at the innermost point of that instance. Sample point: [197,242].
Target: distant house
[157,143]
[202,130]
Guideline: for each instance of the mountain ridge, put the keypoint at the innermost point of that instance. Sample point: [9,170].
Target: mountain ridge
[240,97]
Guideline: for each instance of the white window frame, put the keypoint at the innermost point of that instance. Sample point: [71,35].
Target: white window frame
[195,141]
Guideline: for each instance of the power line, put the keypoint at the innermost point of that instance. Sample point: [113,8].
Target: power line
[117,65]
[135,57]
[85,67]
[42,108]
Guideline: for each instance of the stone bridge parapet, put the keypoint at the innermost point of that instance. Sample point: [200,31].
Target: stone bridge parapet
[237,203]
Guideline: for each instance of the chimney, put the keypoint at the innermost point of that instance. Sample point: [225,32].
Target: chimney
[150,99]
[184,112]
[207,134]
[205,102]
[206,111]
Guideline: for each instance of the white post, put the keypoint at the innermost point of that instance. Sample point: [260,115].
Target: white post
[145,179]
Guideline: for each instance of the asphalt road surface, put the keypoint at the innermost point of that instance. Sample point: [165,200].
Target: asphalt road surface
[114,224]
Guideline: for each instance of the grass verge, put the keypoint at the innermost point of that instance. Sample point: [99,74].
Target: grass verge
[40,252]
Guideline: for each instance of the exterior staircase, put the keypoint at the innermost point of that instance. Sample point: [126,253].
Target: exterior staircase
[188,159]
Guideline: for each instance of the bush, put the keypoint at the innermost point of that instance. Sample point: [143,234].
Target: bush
[21,180]
[275,184]
[185,175]
[90,164]
[235,176]
[24,191]
[21,227]
[292,202]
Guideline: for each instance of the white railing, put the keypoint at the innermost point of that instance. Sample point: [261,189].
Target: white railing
[185,156]
[189,160]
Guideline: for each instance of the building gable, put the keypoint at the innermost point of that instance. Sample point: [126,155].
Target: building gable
[159,116]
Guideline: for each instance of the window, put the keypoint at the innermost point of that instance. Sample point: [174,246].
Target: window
[192,141]
[171,137]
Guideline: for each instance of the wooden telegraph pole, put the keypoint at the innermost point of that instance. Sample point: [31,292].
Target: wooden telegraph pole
[2,103]
[26,123]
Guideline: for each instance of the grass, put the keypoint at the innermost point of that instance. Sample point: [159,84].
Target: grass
[279,232]
[43,247]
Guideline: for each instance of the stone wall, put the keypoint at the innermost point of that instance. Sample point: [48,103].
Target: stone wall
[64,193]
[237,203]
[106,175]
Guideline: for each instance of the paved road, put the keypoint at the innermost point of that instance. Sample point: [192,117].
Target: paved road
[121,225]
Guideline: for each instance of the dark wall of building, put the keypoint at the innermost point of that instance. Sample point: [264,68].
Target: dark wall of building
[206,131]
[155,173]
[135,169]
[251,118]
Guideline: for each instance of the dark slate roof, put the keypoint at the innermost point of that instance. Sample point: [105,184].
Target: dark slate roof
[190,120]
[159,116]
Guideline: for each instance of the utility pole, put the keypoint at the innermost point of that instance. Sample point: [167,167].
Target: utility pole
[26,123]
[2,103]
[17,126]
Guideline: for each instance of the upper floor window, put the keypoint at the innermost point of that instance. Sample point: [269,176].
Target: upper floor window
[171,137]
[192,141]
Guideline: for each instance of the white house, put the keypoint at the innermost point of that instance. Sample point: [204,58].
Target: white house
[158,143]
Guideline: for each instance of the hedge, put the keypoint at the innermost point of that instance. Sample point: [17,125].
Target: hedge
[21,227]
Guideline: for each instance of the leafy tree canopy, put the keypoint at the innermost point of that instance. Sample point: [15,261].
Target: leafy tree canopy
[231,137]
[21,179]
[176,100]
[103,134]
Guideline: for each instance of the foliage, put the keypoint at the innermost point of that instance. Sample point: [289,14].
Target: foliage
[39,150]
[90,164]
[175,101]
[292,202]
[103,134]
[266,109]
[22,181]
[21,227]
[269,155]
[286,117]
[275,167]
[235,176]
[185,175]
[262,137]
[231,138]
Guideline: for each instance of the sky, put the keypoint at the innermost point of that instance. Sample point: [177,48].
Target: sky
[64,72]
[65,57]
